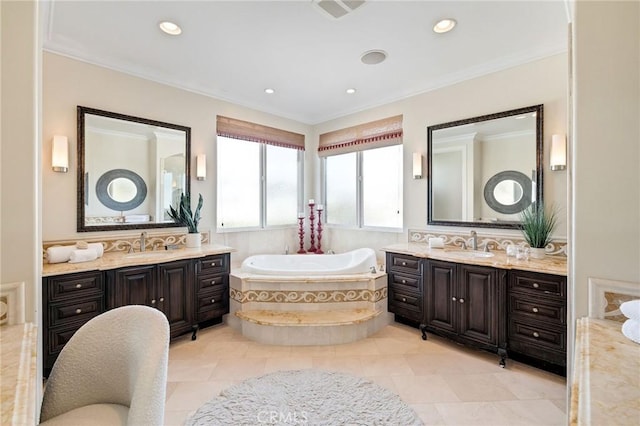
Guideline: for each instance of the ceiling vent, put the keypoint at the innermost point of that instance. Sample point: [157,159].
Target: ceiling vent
[338,8]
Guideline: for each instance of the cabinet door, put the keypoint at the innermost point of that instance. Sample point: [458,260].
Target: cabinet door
[477,303]
[439,306]
[134,286]
[175,295]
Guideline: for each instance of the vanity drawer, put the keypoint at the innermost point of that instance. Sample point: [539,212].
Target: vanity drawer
[536,283]
[78,311]
[208,282]
[213,264]
[74,286]
[411,282]
[548,310]
[403,263]
[58,337]
[523,333]
[405,304]
[212,304]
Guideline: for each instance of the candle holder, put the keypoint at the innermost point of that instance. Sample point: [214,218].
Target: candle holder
[301,233]
[312,248]
[319,250]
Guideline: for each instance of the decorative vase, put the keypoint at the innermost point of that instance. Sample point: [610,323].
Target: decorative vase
[537,253]
[192,240]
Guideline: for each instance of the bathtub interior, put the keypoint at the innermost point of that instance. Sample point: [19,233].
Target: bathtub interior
[354,262]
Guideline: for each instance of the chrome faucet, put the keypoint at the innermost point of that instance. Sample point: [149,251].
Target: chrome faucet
[286,249]
[474,240]
[143,241]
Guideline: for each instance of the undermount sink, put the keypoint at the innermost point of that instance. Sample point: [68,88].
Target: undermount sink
[471,253]
[146,255]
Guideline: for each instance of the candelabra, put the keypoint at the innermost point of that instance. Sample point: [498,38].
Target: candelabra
[312,248]
[319,249]
[301,233]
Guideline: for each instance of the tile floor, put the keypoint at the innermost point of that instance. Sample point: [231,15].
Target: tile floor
[446,384]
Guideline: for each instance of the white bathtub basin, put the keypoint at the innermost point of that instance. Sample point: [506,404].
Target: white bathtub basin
[471,254]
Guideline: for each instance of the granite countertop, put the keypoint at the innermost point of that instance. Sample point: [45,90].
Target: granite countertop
[18,348]
[113,260]
[556,265]
[606,383]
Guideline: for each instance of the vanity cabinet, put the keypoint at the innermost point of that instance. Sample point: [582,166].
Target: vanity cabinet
[537,331]
[405,286]
[188,292]
[69,301]
[465,303]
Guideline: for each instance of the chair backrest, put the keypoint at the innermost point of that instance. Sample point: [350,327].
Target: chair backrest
[118,357]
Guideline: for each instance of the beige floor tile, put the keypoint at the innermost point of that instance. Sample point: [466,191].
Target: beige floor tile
[531,412]
[176,418]
[428,413]
[471,413]
[393,346]
[238,368]
[478,387]
[194,370]
[314,351]
[424,389]
[561,404]
[345,364]
[288,363]
[366,346]
[529,385]
[257,350]
[191,395]
[385,365]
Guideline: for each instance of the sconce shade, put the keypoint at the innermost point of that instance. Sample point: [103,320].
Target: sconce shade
[60,154]
[558,155]
[417,165]
[201,167]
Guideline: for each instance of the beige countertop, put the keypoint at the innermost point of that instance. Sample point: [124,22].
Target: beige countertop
[556,265]
[113,260]
[18,348]
[606,382]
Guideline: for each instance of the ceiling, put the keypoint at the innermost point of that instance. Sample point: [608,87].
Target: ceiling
[233,50]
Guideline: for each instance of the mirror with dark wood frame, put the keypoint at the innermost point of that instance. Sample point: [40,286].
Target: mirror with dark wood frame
[130,170]
[483,171]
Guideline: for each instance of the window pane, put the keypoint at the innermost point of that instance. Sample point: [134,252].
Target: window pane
[382,186]
[282,185]
[238,183]
[341,189]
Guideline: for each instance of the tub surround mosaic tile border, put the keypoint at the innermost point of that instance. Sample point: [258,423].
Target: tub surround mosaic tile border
[556,247]
[307,296]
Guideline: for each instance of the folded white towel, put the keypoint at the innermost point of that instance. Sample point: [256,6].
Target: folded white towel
[631,330]
[436,242]
[137,218]
[59,254]
[85,255]
[631,309]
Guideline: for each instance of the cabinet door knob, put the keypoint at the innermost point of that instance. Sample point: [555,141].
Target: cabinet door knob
[535,309]
[78,285]
[454,299]
[78,311]
[404,299]
[213,300]
[213,281]
[536,285]
[153,301]
[461,300]
[535,334]
[404,281]
[162,299]
[404,263]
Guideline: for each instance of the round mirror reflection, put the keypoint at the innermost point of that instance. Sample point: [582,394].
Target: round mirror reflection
[122,190]
[508,192]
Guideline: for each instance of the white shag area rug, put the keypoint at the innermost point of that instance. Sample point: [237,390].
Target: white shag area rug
[305,397]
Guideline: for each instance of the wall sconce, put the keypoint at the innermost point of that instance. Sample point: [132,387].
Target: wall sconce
[201,167]
[417,165]
[60,154]
[558,154]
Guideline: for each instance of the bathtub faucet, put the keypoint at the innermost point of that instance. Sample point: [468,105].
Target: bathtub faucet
[286,249]
[373,269]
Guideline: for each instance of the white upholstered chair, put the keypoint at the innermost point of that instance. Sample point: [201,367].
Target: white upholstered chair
[112,371]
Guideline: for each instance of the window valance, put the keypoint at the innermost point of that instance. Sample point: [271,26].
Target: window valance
[375,134]
[245,130]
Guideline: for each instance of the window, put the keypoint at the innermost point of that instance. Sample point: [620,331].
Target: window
[362,175]
[259,176]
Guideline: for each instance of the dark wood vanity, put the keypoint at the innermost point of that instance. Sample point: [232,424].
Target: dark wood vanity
[514,313]
[189,292]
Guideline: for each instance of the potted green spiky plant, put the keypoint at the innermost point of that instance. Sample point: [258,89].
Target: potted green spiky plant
[183,215]
[537,226]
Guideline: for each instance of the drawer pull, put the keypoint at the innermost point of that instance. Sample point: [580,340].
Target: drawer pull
[162,299]
[404,263]
[78,285]
[153,301]
[535,334]
[536,285]
[461,300]
[78,311]
[213,300]
[535,310]
[404,281]
[214,264]
[213,281]
[404,299]
[454,299]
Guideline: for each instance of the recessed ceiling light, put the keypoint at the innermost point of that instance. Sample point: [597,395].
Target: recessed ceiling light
[351,91]
[444,25]
[373,57]
[170,28]
[269,91]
